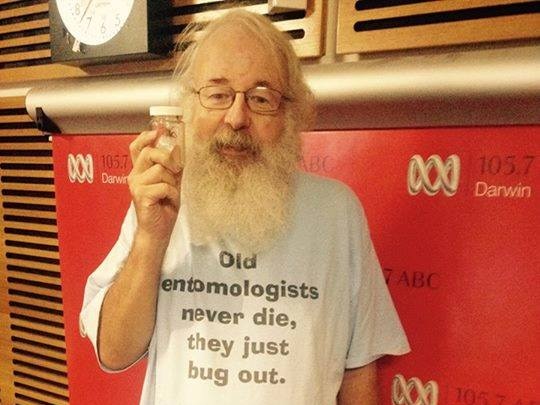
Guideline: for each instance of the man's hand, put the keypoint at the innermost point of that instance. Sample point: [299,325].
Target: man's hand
[154,184]
[359,386]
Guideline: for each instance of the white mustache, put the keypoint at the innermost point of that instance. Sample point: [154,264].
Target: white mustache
[236,139]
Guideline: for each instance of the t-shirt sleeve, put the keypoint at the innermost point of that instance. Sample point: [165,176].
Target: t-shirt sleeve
[102,278]
[376,329]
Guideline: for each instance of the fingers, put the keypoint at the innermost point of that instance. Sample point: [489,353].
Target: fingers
[157,174]
[155,185]
[152,194]
[145,139]
[150,156]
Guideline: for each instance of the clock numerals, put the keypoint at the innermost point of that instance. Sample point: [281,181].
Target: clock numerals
[89,21]
[94,22]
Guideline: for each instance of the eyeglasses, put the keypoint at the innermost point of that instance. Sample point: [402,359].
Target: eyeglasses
[260,100]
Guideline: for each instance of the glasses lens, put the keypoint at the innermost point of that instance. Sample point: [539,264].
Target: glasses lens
[216,96]
[263,99]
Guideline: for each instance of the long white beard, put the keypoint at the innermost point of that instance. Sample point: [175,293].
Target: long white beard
[248,204]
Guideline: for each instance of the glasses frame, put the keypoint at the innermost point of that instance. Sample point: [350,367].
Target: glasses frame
[282,98]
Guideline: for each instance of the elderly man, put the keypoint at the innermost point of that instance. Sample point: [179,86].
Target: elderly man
[243,280]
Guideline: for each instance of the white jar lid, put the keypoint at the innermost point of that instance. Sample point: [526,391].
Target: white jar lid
[157,110]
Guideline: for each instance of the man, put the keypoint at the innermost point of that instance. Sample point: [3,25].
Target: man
[254,284]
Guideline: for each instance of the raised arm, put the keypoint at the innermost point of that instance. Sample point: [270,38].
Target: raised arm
[128,312]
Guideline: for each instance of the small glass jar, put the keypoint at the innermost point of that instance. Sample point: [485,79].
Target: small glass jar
[170,119]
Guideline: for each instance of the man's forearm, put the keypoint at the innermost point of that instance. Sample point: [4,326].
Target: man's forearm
[359,386]
[129,309]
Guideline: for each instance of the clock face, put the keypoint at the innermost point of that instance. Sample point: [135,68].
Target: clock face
[94,22]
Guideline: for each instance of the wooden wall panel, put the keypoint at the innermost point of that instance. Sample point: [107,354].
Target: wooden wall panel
[24,37]
[33,353]
[306,28]
[365,26]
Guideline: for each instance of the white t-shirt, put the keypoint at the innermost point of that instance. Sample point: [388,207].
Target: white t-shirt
[276,328]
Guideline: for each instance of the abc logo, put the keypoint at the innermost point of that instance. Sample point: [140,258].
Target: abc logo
[446,179]
[414,392]
[80,168]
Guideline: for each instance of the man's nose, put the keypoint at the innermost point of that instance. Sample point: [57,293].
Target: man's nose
[238,115]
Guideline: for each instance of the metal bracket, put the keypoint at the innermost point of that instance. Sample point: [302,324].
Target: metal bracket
[44,123]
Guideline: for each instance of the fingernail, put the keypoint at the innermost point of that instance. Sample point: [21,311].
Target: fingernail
[160,131]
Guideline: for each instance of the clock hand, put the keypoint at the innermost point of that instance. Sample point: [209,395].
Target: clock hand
[86,9]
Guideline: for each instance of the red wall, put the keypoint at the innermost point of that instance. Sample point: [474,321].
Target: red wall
[456,229]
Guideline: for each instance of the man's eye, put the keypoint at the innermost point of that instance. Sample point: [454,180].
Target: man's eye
[260,100]
[218,96]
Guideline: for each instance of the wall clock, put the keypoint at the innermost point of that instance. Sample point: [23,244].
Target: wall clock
[94,31]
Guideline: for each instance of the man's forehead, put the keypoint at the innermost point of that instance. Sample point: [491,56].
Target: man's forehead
[231,55]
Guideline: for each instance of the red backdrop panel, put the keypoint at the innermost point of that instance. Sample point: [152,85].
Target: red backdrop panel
[91,199]
[454,214]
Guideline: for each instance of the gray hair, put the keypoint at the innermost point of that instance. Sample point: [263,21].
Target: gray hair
[299,108]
